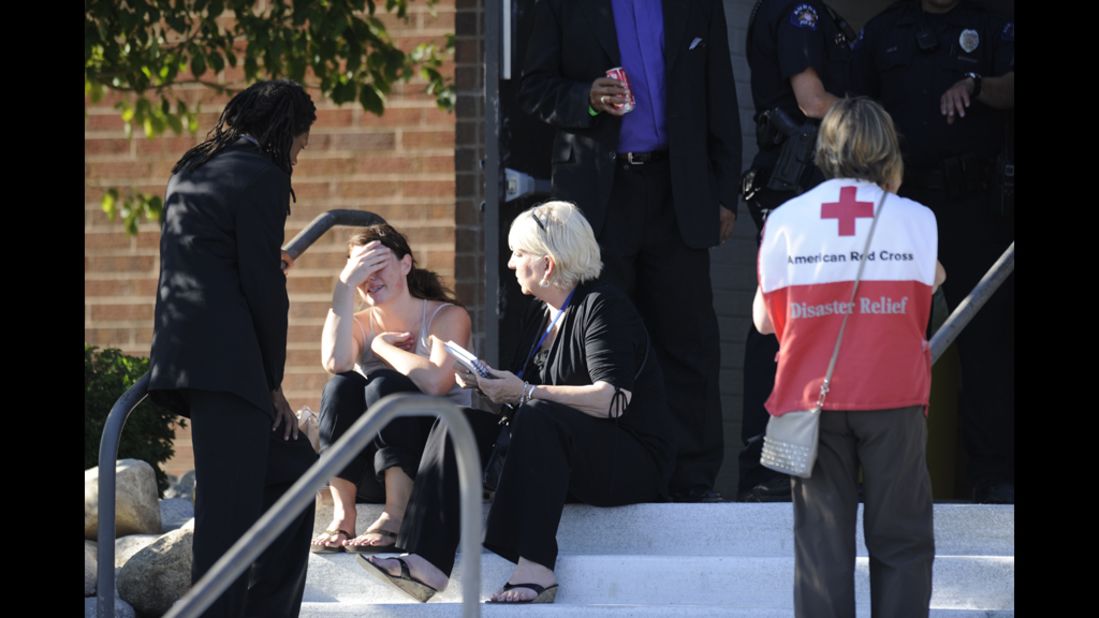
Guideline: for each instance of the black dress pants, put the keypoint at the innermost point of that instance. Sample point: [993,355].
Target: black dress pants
[345,398]
[431,526]
[669,282]
[759,381]
[241,469]
[558,452]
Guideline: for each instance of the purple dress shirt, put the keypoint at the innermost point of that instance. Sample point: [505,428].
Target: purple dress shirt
[640,28]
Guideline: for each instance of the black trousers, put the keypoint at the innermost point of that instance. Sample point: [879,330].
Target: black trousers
[431,527]
[241,469]
[558,453]
[759,381]
[345,398]
[669,283]
[760,350]
[972,235]
[889,446]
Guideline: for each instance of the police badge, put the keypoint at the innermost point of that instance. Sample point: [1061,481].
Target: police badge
[804,16]
[969,40]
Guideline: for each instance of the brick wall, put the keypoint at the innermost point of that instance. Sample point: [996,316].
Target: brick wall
[401,166]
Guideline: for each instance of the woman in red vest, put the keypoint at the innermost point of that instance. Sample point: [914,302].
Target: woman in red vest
[874,414]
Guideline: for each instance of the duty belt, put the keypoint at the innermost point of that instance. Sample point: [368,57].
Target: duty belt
[956,176]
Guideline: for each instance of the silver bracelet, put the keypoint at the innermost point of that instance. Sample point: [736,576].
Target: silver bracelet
[525,393]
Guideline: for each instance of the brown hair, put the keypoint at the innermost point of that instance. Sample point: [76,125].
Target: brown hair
[857,140]
[422,283]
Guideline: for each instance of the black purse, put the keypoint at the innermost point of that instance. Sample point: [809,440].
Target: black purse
[495,465]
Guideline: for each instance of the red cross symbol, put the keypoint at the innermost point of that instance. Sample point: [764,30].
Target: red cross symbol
[846,211]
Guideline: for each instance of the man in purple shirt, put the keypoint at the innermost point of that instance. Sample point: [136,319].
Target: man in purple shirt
[659,183]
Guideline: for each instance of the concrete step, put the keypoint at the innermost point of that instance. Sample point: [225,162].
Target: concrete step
[735,529]
[452,610]
[728,559]
[960,582]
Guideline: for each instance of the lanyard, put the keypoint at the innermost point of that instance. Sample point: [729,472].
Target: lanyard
[530,355]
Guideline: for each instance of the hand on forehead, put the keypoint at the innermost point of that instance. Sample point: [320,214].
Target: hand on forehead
[358,250]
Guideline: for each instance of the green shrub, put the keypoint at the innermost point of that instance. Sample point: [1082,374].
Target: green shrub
[149,431]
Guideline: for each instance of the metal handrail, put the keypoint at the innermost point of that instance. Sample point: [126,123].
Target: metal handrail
[249,547]
[318,226]
[972,303]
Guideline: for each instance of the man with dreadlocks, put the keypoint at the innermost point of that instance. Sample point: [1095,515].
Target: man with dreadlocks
[219,344]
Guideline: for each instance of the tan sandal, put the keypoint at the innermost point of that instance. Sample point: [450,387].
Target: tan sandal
[318,546]
[361,548]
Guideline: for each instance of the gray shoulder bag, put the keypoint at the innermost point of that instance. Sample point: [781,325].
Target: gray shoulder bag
[790,444]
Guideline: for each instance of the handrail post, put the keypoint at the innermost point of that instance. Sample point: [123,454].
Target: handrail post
[249,547]
[105,528]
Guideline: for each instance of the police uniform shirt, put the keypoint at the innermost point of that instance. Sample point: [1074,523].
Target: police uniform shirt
[788,37]
[907,58]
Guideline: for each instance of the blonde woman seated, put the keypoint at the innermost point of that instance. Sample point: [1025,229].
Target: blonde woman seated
[590,419]
[393,345]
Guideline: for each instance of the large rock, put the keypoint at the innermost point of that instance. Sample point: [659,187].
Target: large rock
[122,609]
[174,512]
[89,568]
[136,502]
[125,547]
[159,575]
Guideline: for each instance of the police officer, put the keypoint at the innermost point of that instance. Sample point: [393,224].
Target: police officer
[944,69]
[798,53]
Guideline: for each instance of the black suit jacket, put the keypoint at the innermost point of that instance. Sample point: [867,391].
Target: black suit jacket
[574,42]
[221,308]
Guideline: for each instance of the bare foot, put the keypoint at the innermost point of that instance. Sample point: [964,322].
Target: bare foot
[418,567]
[526,572]
[381,533]
[342,526]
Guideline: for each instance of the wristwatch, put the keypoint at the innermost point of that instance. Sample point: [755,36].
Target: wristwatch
[976,77]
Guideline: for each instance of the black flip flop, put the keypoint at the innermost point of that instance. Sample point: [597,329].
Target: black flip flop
[405,582]
[545,594]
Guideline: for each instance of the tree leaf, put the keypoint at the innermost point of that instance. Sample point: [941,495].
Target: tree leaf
[198,64]
[110,202]
[371,100]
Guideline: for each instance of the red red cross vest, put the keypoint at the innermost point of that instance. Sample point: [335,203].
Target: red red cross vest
[807,264]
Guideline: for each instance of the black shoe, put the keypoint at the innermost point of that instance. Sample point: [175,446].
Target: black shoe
[775,490]
[998,492]
[697,495]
